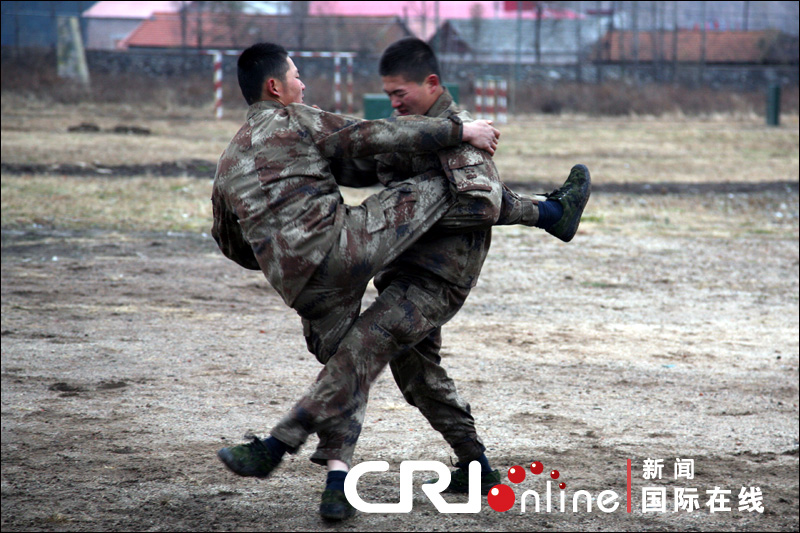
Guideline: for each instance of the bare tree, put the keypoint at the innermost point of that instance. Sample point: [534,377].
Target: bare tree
[655,36]
[746,15]
[476,20]
[579,54]
[231,15]
[618,8]
[701,70]
[674,40]
[182,14]
[300,14]
[199,18]
[538,36]
[635,33]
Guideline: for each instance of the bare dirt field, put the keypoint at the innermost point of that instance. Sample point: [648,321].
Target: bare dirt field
[667,330]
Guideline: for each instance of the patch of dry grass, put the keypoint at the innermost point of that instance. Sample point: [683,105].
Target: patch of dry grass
[34,133]
[768,216]
[137,204]
[540,148]
[642,149]
[182,204]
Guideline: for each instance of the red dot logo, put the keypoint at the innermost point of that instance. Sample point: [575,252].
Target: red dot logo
[537,467]
[562,485]
[516,474]
[501,498]
[554,474]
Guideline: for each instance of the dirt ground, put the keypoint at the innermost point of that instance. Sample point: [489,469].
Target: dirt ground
[129,358]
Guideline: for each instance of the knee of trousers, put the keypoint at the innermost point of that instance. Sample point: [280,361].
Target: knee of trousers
[404,315]
[405,322]
[324,335]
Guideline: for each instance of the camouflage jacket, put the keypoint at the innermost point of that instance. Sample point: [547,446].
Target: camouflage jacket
[455,258]
[276,204]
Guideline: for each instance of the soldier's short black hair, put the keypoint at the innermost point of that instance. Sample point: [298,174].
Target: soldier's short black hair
[258,63]
[411,58]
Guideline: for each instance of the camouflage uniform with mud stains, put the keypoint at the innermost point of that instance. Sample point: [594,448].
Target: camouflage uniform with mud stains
[419,292]
[443,263]
[277,207]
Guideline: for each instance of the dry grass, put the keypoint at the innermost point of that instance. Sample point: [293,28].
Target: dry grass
[660,99]
[537,148]
[644,149]
[34,132]
[137,204]
[717,217]
[533,148]
[182,204]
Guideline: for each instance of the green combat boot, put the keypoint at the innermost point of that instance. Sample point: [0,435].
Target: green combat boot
[252,459]
[335,507]
[459,481]
[572,196]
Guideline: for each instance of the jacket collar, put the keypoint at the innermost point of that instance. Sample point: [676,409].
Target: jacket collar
[441,104]
[263,105]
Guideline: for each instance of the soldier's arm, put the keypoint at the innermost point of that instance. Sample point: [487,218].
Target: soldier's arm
[343,137]
[228,234]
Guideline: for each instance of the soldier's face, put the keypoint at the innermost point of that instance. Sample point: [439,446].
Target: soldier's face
[409,97]
[291,87]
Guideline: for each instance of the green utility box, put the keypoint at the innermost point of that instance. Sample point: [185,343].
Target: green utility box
[773,105]
[454,90]
[377,105]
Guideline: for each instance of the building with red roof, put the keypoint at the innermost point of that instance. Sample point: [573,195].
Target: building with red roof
[108,23]
[235,31]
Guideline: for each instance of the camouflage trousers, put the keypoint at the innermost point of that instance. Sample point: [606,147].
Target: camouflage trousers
[418,373]
[402,325]
[400,328]
[372,236]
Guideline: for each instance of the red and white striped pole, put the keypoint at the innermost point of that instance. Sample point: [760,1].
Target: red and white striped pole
[218,83]
[350,85]
[490,106]
[502,101]
[479,98]
[491,99]
[337,83]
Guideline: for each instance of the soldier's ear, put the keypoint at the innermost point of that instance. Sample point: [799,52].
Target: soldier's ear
[432,82]
[272,89]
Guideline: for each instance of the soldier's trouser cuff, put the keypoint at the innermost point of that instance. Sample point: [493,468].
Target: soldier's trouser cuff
[291,432]
[517,210]
[322,455]
[469,449]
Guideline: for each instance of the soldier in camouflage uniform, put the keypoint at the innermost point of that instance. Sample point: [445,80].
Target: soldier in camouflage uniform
[435,274]
[410,75]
